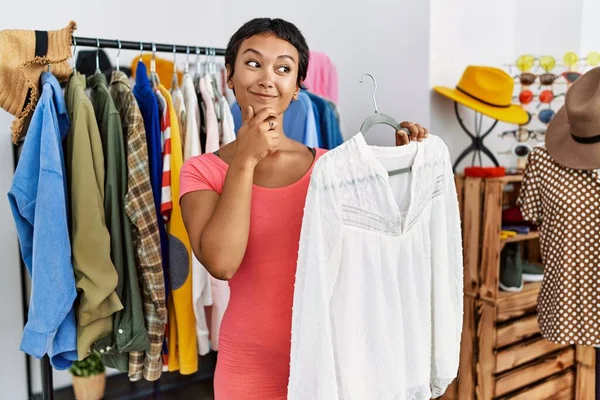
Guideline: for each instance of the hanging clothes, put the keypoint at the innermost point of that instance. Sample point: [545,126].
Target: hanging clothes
[202,106]
[201,287]
[219,289]
[321,76]
[564,203]
[183,352]
[331,135]
[191,139]
[374,242]
[211,123]
[139,205]
[129,330]
[95,273]
[38,199]
[164,68]
[149,107]
[180,110]
[311,134]
[227,124]
[166,201]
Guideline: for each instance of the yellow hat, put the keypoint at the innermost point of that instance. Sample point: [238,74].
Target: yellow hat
[489,91]
[164,69]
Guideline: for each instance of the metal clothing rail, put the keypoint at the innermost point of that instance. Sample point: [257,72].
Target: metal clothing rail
[147,46]
[46,369]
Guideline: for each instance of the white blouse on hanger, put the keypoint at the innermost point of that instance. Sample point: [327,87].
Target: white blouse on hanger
[378,296]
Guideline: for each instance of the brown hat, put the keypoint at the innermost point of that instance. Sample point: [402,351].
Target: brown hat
[573,135]
[24,54]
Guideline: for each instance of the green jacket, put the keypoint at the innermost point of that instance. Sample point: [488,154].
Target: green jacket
[129,332]
[95,274]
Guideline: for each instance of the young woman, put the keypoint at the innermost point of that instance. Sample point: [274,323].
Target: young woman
[243,208]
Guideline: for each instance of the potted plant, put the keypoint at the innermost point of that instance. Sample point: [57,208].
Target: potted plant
[89,378]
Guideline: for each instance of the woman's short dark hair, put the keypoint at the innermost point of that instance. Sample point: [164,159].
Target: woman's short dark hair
[282,29]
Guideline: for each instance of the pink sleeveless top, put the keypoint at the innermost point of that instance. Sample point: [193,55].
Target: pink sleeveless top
[255,334]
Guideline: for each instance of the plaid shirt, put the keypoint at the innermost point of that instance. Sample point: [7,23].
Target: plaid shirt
[139,205]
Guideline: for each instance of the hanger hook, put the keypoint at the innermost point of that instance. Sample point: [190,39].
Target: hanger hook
[175,78]
[97,55]
[118,55]
[187,59]
[74,51]
[374,88]
[141,49]
[215,60]
[153,60]
[197,61]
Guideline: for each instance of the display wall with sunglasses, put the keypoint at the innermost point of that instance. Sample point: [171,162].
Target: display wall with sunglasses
[495,33]
[541,83]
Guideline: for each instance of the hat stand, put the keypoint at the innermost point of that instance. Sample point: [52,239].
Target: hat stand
[476,147]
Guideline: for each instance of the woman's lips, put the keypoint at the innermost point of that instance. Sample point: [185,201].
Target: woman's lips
[264,96]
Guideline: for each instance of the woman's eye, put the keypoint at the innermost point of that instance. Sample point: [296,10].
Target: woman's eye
[283,69]
[253,64]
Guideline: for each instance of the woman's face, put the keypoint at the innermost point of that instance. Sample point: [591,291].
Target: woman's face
[266,73]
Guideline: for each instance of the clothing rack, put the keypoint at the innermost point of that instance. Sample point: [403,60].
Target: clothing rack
[46,369]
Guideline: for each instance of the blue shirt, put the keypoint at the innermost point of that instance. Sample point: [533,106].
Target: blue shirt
[331,135]
[294,118]
[148,104]
[38,200]
[311,134]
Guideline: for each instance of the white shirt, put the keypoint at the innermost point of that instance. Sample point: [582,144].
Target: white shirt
[220,289]
[378,305]
[201,285]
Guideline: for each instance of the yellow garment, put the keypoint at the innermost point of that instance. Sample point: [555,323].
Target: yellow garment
[183,348]
[164,69]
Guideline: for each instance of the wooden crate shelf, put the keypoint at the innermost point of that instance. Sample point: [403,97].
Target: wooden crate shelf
[520,238]
[503,354]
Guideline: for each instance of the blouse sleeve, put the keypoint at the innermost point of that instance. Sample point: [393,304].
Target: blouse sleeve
[316,273]
[447,288]
[529,196]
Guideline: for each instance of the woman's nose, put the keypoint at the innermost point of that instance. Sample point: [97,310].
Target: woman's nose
[266,80]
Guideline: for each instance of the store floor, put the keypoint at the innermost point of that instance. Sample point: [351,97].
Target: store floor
[171,386]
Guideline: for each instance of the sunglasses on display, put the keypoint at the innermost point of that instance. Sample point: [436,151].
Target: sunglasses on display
[529,78]
[522,134]
[545,96]
[545,116]
[570,59]
[527,61]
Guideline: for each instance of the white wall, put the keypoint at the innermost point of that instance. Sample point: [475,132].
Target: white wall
[466,32]
[590,28]
[495,33]
[386,38]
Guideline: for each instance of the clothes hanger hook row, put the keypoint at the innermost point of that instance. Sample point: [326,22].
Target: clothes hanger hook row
[118,55]
[374,88]
[74,51]
[153,60]
[97,55]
